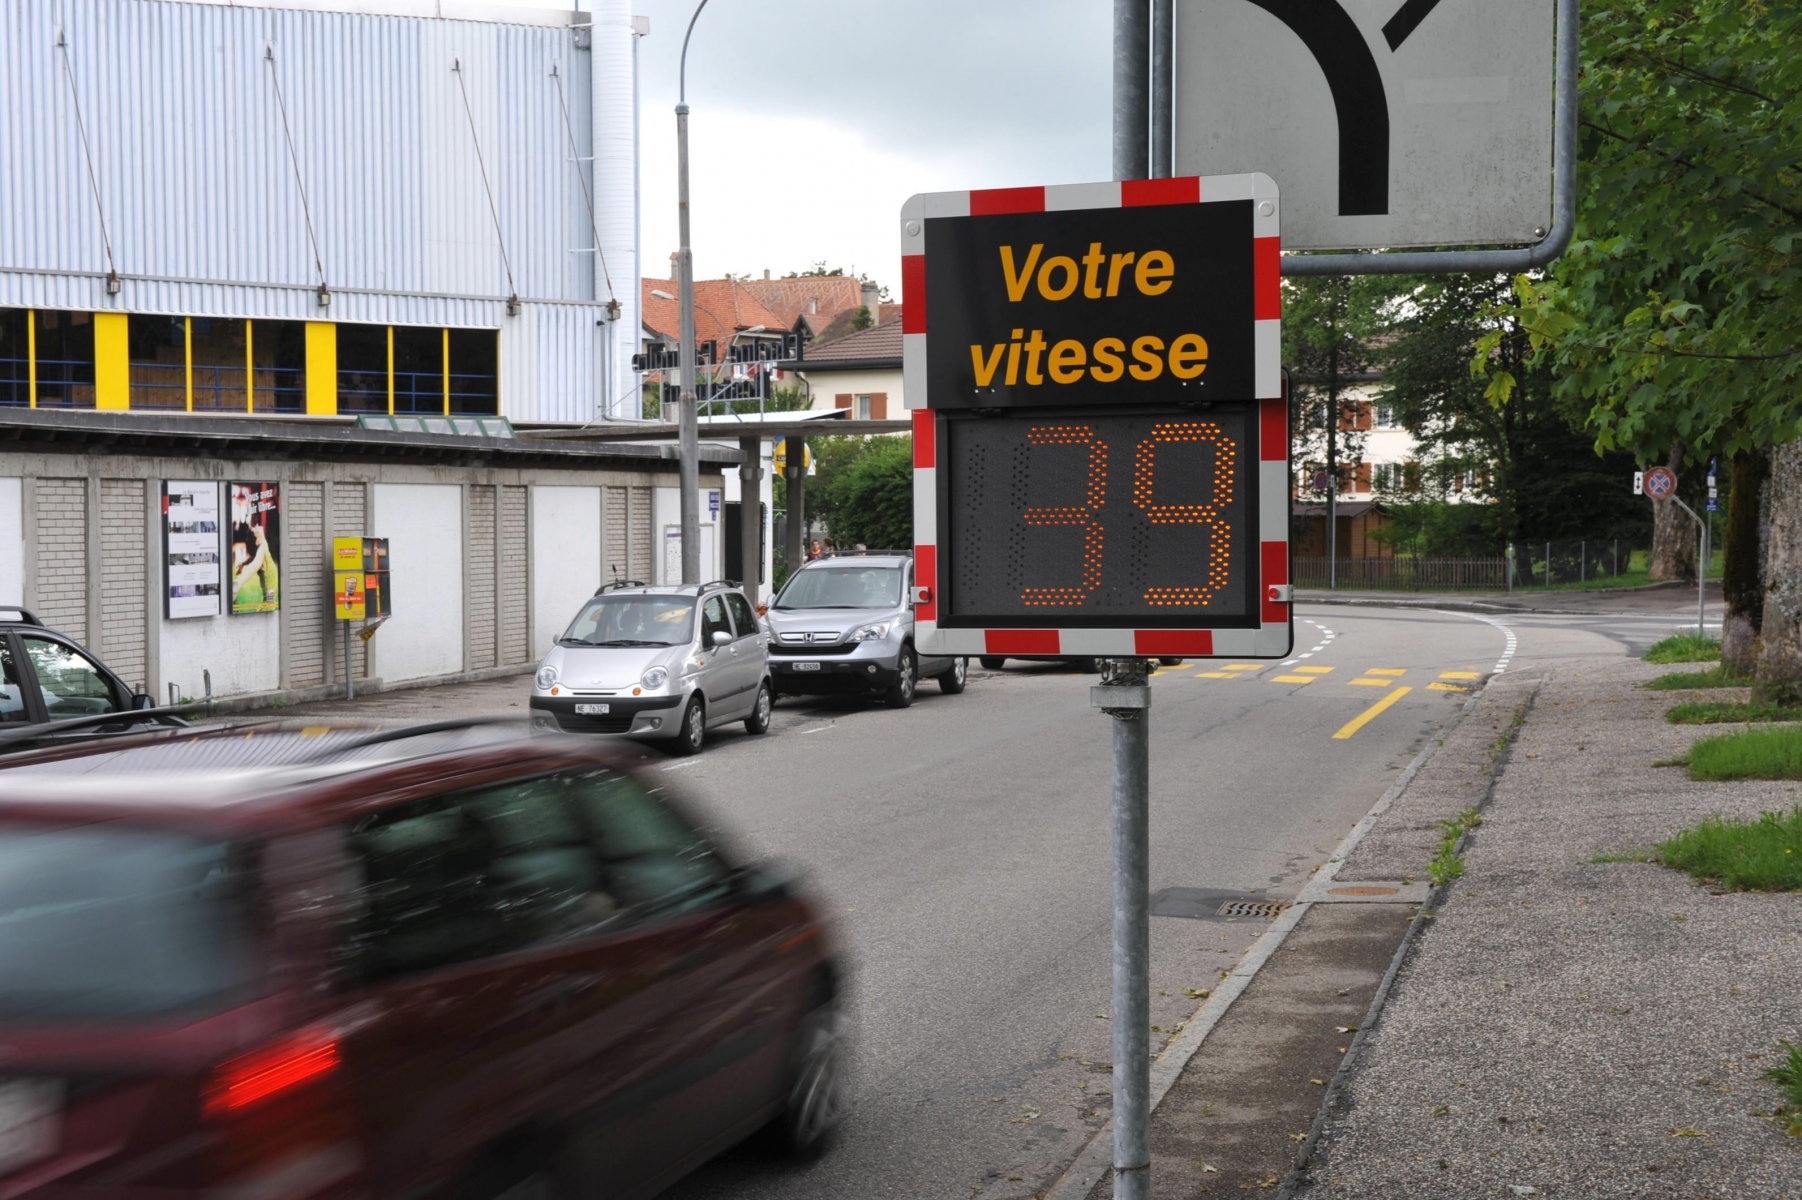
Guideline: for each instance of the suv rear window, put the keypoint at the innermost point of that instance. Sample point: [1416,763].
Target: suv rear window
[112,923]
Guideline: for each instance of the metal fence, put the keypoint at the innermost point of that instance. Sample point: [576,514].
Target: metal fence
[1405,574]
[1542,564]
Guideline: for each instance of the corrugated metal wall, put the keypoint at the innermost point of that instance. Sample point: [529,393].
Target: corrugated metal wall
[200,195]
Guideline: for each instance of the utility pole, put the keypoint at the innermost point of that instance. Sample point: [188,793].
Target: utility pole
[688,461]
[1332,461]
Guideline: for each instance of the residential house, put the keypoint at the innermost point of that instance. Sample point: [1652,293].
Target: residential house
[860,372]
[818,307]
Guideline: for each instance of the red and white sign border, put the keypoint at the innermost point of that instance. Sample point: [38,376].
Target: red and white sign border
[1273,638]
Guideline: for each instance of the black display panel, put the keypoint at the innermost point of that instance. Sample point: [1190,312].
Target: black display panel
[1099,518]
[1091,307]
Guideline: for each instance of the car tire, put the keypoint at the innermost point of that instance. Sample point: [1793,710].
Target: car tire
[691,735]
[907,680]
[953,682]
[759,720]
[1167,661]
[813,1105]
[992,662]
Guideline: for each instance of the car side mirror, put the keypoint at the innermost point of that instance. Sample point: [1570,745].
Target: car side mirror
[139,701]
[720,637]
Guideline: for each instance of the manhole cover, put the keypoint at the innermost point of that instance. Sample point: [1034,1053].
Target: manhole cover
[1261,909]
[1213,904]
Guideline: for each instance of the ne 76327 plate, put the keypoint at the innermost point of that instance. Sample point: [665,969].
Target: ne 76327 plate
[591,710]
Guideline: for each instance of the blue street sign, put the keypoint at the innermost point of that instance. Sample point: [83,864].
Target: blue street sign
[1714,505]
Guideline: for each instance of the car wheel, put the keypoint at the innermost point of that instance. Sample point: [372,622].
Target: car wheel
[814,1106]
[992,662]
[952,682]
[1170,662]
[759,720]
[691,735]
[907,678]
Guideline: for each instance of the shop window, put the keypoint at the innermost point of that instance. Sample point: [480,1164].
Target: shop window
[15,358]
[279,349]
[65,358]
[418,370]
[362,368]
[221,364]
[474,371]
[158,349]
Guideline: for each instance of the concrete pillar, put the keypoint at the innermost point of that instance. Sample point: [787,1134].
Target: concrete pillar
[750,513]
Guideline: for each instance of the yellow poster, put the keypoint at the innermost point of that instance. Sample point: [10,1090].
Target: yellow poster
[348,591]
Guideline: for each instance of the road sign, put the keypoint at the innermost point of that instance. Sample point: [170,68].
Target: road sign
[780,459]
[1714,505]
[1639,483]
[1101,444]
[1661,483]
[1388,122]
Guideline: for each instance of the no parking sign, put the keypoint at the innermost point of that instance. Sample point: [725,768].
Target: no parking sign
[1661,483]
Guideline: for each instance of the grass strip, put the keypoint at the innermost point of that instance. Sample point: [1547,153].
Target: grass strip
[1788,1076]
[1714,677]
[1727,712]
[1685,647]
[1774,753]
[1762,855]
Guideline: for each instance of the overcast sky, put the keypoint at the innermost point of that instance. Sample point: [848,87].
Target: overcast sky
[812,120]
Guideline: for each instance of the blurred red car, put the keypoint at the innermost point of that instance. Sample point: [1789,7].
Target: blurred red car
[282,962]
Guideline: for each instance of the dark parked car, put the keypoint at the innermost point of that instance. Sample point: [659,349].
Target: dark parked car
[46,677]
[304,961]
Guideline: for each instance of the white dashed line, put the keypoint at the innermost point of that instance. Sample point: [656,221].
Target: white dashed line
[693,762]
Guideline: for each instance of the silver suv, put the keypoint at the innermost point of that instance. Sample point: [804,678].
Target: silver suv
[662,663]
[844,624]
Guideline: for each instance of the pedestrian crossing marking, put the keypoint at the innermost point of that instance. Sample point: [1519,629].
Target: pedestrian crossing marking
[1390,671]
[1368,682]
[1241,667]
[1460,675]
[1313,670]
[1446,687]
[1293,679]
[1217,675]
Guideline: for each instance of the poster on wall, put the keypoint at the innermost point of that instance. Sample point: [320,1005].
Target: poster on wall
[256,544]
[191,548]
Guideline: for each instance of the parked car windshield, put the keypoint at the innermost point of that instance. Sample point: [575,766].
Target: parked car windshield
[843,587]
[632,620]
[117,924]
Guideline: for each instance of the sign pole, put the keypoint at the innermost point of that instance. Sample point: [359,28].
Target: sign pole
[350,684]
[1125,695]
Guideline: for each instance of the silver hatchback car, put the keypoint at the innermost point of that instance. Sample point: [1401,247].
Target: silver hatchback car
[659,663]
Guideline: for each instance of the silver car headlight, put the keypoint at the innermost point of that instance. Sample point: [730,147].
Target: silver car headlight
[547,675]
[871,633]
[656,677]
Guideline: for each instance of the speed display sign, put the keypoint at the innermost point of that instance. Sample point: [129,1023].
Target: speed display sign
[1101,443]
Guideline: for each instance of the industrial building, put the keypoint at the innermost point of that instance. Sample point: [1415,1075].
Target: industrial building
[354,259]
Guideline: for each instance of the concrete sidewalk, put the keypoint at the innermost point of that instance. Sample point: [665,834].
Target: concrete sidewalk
[1568,1028]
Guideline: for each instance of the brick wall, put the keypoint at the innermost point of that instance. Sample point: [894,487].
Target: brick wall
[515,648]
[642,542]
[62,556]
[479,563]
[121,643]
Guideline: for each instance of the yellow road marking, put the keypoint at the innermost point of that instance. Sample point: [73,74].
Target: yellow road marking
[1370,682]
[1364,718]
[1390,671]
[1460,675]
[1313,670]
[1446,687]
[1241,666]
[1293,679]
[1216,675]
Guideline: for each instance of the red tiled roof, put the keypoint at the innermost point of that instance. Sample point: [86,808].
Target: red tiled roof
[790,298]
[723,307]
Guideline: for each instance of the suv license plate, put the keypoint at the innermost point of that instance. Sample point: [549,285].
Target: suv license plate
[805,666]
[29,1109]
[591,710]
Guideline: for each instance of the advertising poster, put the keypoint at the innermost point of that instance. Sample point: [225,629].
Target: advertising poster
[191,548]
[256,545]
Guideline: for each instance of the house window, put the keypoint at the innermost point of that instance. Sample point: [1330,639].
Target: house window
[860,408]
[1385,417]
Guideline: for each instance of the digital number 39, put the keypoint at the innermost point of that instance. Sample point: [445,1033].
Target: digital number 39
[1088,515]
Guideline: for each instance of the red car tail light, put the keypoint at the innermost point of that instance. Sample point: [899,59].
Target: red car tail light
[253,1078]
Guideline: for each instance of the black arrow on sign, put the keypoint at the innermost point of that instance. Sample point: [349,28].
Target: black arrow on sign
[1362,106]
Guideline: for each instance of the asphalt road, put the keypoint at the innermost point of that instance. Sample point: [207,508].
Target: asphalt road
[963,846]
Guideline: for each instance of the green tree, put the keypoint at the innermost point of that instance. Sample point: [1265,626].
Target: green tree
[1676,316]
[1329,326]
[865,491]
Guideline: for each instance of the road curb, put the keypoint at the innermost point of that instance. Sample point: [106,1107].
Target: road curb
[1097,1157]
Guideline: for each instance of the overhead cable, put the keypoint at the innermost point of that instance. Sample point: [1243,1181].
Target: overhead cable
[493,210]
[112,268]
[587,198]
[325,293]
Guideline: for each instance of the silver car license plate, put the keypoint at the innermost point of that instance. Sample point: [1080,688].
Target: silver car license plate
[805,666]
[591,710]
[29,1112]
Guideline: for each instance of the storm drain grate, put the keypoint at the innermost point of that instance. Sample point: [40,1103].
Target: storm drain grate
[1259,909]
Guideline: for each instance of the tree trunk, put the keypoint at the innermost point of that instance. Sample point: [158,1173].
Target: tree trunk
[1779,678]
[1742,571]
[1673,536]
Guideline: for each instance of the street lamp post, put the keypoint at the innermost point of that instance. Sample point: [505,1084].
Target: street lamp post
[688,465]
